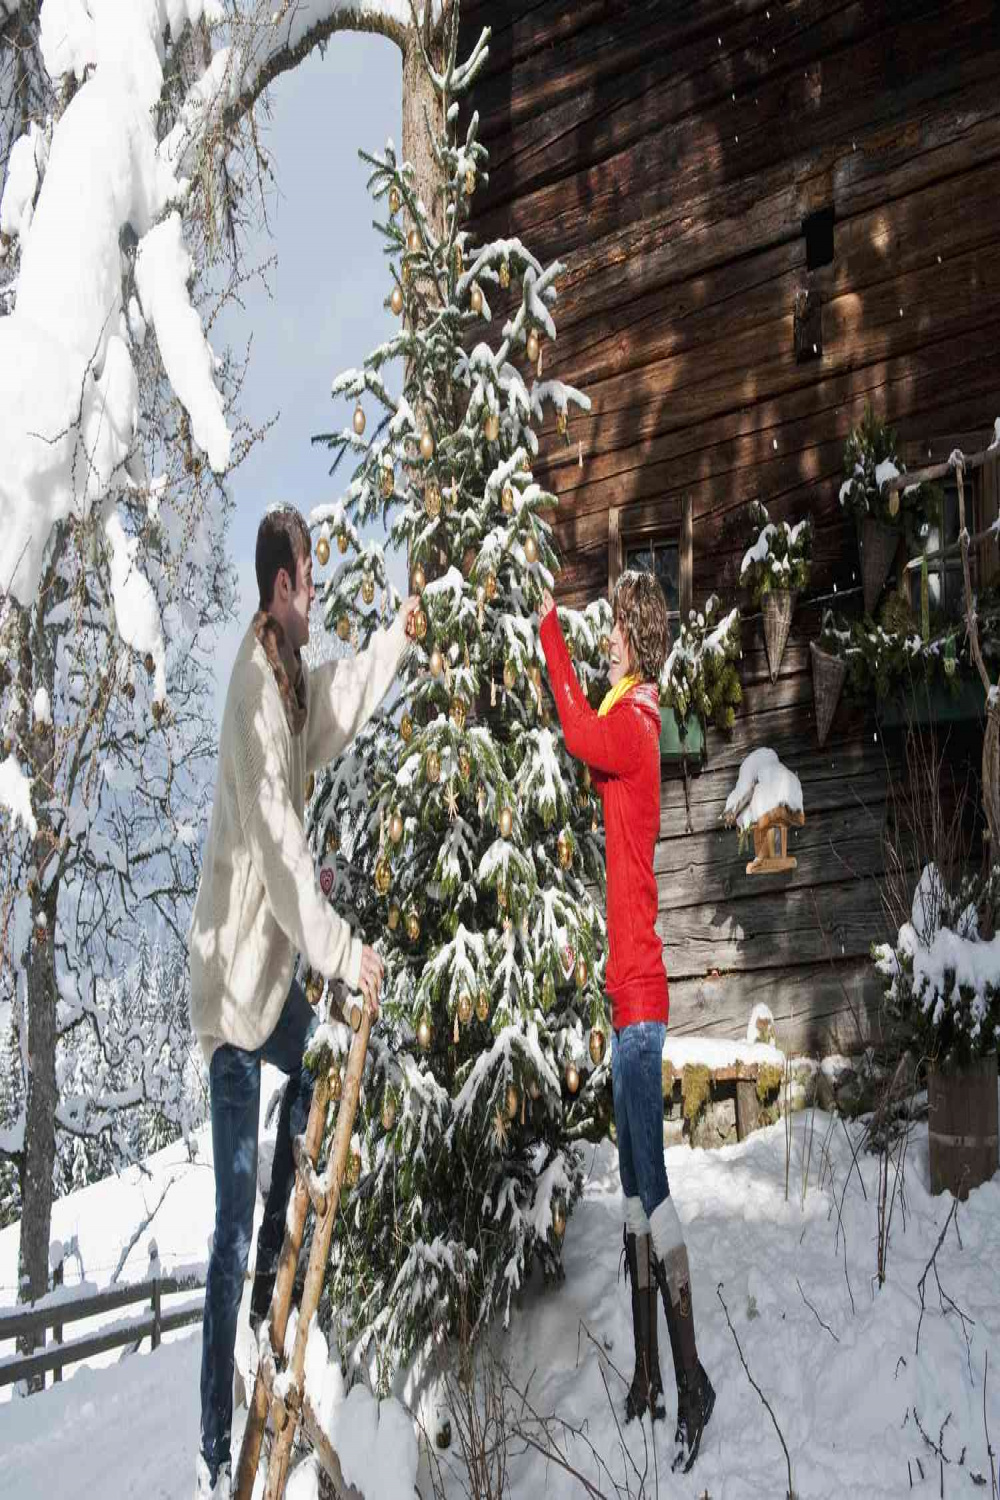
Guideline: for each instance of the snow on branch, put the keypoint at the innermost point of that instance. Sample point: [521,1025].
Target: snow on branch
[15,795]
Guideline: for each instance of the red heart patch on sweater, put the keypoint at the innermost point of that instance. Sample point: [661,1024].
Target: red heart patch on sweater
[326,880]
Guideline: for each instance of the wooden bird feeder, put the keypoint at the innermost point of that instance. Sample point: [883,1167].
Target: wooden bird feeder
[770,842]
[767,800]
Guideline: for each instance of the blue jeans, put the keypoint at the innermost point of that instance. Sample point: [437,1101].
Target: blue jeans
[234,1078]
[637,1088]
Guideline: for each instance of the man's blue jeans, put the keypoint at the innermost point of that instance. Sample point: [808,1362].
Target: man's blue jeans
[637,1089]
[234,1078]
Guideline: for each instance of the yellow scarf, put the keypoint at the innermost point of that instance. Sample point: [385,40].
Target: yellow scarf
[612,696]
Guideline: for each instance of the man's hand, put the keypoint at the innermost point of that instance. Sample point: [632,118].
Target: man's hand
[548,603]
[409,609]
[370,983]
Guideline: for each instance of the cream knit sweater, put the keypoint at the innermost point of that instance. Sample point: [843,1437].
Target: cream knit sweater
[259,901]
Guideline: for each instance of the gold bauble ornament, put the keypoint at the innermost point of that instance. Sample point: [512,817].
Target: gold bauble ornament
[367,589]
[424,1032]
[530,549]
[436,662]
[432,499]
[413,241]
[352,1172]
[558,1219]
[562,422]
[470,181]
[597,1043]
[157,709]
[432,767]
[426,445]
[531,346]
[465,1008]
[396,827]
[418,579]
[506,822]
[332,840]
[322,551]
[413,927]
[419,624]
[394,199]
[536,675]
[507,499]
[406,272]
[149,663]
[344,628]
[310,786]
[509,675]
[564,850]
[482,1006]
[406,728]
[342,542]
[388,1112]
[386,480]
[491,426]
[511,1101]
[458,712]
[459,260]
[383,877]
[581,973]
[396,300]
[359,419]
[490,585]
[585,778]
[336,1083]
[505,274]
[572,1077]
[476,299]
[604,645]
[464,765]
[393,917]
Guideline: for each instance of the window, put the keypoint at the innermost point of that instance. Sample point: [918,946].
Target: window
[657,537]
[662,557]
[818,230]
[945,584]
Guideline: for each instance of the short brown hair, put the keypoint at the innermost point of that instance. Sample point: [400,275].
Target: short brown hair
[638,605]
[282,540]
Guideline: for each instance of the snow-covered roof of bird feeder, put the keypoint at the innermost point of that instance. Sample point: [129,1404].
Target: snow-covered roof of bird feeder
[767,798]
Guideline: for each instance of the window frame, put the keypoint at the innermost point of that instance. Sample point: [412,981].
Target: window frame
[666,522]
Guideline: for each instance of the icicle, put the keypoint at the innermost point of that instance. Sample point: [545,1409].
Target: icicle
[493,692]
[456,1028]
[579,449]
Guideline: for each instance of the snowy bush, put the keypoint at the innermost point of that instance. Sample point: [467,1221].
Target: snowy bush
[700,674]
[780,556]
[943,973]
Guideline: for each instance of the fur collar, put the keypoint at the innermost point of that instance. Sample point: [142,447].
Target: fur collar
[286,666]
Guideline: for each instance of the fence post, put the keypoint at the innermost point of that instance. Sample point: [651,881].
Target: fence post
[57,1329]
[156,1313]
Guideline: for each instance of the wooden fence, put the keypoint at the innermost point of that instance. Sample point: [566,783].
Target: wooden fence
[126,1332]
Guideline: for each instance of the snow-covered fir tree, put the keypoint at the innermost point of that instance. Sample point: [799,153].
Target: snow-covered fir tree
[459,831]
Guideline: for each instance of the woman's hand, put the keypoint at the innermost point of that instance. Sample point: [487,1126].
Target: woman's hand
[548,603]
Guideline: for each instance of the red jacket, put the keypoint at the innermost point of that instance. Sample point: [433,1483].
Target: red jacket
[623,753]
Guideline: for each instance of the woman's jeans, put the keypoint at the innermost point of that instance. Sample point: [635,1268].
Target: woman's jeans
[637,1087]
[234,1077]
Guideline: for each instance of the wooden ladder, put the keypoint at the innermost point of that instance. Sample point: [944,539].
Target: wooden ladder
[290,1405]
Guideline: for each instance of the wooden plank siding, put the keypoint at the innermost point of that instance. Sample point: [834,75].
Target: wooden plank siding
[668,155]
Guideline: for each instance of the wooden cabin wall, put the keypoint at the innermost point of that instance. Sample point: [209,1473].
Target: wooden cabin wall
[667,154]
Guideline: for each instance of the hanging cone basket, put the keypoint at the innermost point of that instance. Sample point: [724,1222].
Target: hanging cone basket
[878,545]
[828,683]
[777,605]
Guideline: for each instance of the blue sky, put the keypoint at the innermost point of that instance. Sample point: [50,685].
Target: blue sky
[328,287]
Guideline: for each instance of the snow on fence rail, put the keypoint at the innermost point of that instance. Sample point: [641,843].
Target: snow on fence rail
[129,1331]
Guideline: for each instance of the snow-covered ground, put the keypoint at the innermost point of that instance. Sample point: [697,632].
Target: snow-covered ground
[852,1398]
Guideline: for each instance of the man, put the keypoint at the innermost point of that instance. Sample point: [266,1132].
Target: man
[621,745]
[258,905]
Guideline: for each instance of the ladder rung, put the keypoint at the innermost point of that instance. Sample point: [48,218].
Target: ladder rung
[308,1176]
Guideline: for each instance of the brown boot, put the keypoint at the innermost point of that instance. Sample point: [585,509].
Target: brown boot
[647,1386]
[695,1394]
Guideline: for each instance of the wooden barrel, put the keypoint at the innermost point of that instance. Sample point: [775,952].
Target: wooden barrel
[963,1126]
